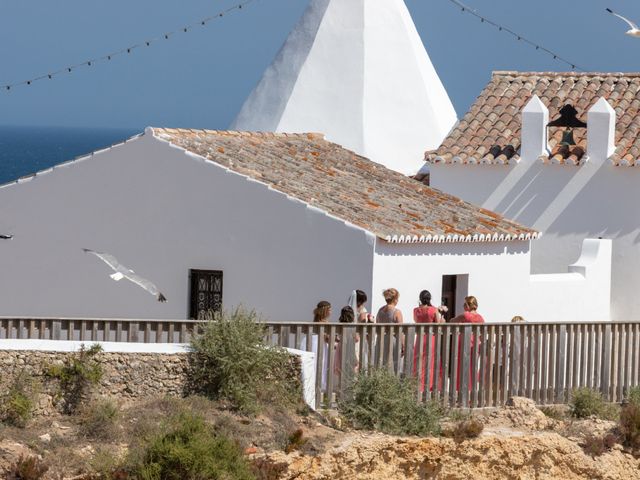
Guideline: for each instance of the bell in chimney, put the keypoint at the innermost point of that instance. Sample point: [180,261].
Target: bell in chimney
[567,137]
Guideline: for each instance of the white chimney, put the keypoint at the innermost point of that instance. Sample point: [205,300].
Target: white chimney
[601,131]
[535,117]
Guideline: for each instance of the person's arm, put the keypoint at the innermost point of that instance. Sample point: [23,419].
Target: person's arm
[439,318]
[397,317]
[415,315]
[458,319]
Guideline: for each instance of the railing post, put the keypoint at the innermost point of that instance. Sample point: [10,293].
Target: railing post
[607,367]
[56,329]
[465,355]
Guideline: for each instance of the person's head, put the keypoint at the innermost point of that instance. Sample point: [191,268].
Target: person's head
[425,298]
[517,319]
[347,315]
[322,312]
[391,296]
[470,304]
[361,298]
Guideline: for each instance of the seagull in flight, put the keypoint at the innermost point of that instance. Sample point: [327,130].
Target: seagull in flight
[635,31]
[123,272]
[6,237]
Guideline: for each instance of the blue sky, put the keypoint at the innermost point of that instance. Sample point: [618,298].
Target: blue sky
[200,79]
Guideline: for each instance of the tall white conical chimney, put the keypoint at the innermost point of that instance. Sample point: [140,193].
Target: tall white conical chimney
[357,71]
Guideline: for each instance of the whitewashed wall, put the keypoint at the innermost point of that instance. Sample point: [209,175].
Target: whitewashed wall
[499,277]
[498,272]
[162,212]
[566,203]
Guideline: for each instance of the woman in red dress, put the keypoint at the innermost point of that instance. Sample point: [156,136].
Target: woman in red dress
[470,315]
[425,313]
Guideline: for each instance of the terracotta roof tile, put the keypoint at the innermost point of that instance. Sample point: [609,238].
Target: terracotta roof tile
[494,120]
[350,187]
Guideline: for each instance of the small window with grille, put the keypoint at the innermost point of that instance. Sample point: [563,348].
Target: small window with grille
[205,293]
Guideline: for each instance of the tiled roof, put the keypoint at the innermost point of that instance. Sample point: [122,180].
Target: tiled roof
[490,132]
[350,187]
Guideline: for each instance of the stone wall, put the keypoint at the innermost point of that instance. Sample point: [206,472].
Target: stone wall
[127,376]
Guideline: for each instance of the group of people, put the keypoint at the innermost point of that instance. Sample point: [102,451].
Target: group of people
[425,312]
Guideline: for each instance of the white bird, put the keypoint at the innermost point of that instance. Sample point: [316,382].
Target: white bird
[123,272]
[635,31]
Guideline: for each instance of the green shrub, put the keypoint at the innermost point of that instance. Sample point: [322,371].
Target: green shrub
[188,448]
[554,413]
[99,420]
[27,468]
[381,401]
[18,404]
[76,375]
[230,362]
[633,396]
[629,425]
[586,402]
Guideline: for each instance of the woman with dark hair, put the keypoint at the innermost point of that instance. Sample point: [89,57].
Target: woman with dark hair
[322,314]
[425,313]
[348,343]
[363,315]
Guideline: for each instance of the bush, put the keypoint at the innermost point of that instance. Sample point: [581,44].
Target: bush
[76,375]
[381,401]
[554,413]
[629,425]
[586,402]
[230,362]
[633,396]
[188,448]
[19,402]
[295,441]
[27,468]
[100,420]
[597,445]
[466,429]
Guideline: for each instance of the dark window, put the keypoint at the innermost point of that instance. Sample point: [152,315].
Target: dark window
[205,294]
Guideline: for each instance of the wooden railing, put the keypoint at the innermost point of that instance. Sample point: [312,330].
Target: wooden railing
[98,329]
[466,365]
[471,365]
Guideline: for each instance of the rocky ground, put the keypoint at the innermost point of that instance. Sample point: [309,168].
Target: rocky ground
[518,442]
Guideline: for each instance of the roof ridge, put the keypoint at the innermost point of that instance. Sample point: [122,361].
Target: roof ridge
[243,133]
[564,74]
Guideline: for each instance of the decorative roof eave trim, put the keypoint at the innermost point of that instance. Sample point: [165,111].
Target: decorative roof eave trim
[455,238]
[456,159]
[624,162]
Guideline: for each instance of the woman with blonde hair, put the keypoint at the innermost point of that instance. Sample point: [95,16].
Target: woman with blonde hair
[470,315]
[322,312]
[390,313]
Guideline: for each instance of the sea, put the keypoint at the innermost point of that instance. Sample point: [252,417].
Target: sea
[26,150]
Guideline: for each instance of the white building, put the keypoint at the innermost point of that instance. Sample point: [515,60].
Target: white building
[503,157]
[276,222]
[357,71]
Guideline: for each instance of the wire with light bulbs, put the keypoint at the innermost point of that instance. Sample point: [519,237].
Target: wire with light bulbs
[128,50]
[466,9]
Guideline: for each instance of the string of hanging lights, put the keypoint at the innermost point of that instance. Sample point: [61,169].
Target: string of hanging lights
[465,9]
[128,50]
